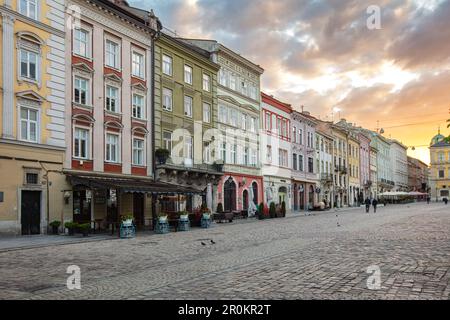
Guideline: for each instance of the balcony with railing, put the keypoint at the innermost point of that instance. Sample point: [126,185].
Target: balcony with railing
[326,177]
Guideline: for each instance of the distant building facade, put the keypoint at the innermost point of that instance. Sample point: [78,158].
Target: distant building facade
[440,168]
[399,164]
[303,164]
[417,175]
[276,151]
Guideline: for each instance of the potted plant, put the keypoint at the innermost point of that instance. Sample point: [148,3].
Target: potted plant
[84,228]
[162,155]
[272,210]
[127,220]
[184,216]
[71,226]
[55,225]
[163,217]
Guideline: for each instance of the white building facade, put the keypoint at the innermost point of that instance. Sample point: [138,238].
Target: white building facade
[276,150]
[399,164]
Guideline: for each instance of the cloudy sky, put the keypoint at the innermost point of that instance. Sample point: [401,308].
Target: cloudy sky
[320,54]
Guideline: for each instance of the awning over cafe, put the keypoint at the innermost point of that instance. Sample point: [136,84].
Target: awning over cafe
[129,184]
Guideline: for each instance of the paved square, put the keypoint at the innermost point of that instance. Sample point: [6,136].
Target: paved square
[324,256]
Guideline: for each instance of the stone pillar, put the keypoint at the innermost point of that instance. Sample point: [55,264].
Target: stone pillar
[8,75]
[209,196]
[214,188]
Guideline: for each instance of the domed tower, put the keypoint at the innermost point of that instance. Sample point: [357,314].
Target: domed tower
[437,138]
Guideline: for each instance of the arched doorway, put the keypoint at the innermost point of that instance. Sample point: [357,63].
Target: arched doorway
[295,197]
[245,200]
[255,193]
[311,197]
[282,192]
[229,195]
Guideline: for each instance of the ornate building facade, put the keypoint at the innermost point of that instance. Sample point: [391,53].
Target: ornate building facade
[305,170]
[276,151]
[238,144]
[33,136]
[440,168]
[186,117]
[109,116]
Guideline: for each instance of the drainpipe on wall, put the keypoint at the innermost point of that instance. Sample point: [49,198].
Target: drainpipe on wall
[154,38]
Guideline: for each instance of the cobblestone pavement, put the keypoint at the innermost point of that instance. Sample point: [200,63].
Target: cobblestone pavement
[324,256]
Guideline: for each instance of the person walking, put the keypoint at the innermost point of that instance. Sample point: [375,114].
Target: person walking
[367,202]
[445,200]
[374,203]
[428,199]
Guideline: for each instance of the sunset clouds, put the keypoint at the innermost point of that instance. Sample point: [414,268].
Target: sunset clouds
[320,54]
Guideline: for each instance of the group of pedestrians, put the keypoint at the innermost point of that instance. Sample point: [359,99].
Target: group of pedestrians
[373,202]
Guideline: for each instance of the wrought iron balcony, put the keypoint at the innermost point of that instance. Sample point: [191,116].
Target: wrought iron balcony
[326,177]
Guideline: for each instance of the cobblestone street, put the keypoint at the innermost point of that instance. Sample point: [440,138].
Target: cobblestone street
[324,256]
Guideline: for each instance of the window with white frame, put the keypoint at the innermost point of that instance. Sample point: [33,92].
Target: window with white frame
[246,156]
[112,54]
[223,77]
[167,65]
[81,90]
[188,106]
[269,154]
[294,133]
[232,81]
[253,158]
[223,114]
[300,162]
[223,151]
[233,117]
[167,140]
[167,99]
[282,158]
[206,152]
[253,124]
[29,8]
[81,42]
[29,124]
[112,99]
[138,152]
[206,82]
[138,65]
[243,119]
[187,74]
[81,143]
[188,147]
[112,147]
[233,153]
[138,106]
[28,64]
[206,112]
[267,122]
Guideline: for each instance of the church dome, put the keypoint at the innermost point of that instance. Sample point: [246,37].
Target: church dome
[437,138]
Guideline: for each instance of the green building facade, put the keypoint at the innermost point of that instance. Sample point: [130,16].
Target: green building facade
[185,114]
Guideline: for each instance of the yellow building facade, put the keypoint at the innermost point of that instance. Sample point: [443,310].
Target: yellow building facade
[32,111]
[439,168]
